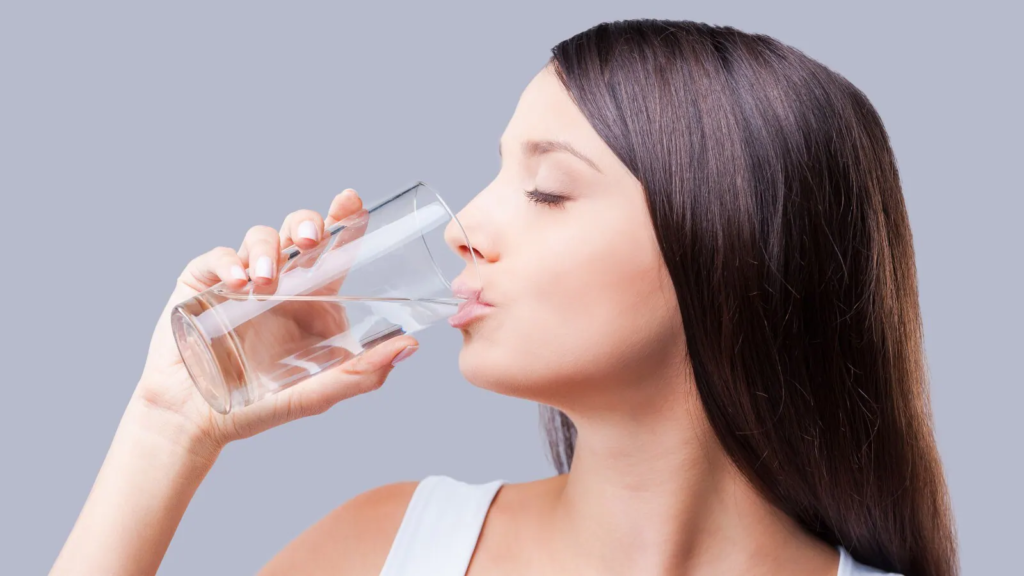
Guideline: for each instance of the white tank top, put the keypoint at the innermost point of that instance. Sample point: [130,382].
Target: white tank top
[442,523]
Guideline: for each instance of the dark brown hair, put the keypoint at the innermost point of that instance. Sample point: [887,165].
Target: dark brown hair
[778,210]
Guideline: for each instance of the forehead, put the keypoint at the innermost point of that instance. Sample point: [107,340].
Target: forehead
[546,112]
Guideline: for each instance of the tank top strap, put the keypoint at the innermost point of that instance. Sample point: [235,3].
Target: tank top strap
[849,566]
[439,531]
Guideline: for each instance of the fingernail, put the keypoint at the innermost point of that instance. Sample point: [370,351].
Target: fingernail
[308,230]
[237,272]
[263,267]
[404,354]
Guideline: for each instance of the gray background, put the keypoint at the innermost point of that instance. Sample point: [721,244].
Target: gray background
[133,138]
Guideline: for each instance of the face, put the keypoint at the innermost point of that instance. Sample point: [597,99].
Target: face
[583,307]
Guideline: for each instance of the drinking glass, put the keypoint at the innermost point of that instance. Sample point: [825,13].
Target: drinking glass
[377,274]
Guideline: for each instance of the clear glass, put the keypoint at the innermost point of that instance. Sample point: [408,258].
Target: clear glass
[377,274]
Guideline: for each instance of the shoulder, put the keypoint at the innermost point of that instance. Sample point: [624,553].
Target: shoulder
[353,539]
[512,525]
[356,537]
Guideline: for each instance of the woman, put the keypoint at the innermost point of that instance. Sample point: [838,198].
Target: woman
[699,262]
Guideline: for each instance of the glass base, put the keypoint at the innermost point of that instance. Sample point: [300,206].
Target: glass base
[198,358]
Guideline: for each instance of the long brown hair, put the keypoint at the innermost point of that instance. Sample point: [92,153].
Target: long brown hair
[779,212]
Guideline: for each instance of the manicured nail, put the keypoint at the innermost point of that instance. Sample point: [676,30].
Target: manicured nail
[263,267]
[404,354]
[308,230]
[237,272]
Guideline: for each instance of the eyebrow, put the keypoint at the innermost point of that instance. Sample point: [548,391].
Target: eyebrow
[540,147]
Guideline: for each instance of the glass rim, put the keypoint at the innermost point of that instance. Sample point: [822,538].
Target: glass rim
[462,229]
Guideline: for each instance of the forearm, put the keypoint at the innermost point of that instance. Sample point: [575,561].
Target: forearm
[147,479]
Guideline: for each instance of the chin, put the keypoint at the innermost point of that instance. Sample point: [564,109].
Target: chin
[523,375]
[491,368]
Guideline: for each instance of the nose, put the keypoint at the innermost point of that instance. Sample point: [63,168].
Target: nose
[471,246]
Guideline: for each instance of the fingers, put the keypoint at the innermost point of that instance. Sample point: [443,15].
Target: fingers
[347,238]
[213,267]
[303,228]
[358,375]
[261,254]
[344,205]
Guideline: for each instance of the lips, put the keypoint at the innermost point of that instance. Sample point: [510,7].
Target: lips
[463,289]
[471,309]
[468,292]
[468,311]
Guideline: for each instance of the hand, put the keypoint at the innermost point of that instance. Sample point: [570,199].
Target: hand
[166,391]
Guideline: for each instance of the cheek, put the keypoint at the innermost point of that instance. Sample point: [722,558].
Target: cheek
[610,306]
[592,309]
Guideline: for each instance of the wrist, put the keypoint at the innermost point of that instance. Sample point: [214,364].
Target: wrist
[169,430]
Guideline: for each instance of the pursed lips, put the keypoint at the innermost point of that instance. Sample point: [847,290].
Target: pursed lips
[473,307]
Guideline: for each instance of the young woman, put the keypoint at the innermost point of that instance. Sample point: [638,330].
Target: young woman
[697,259]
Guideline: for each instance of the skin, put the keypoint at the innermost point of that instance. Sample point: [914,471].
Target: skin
[650,490]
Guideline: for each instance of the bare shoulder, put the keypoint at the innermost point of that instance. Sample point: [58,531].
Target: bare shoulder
[522,500]
[515,522]
[352,540]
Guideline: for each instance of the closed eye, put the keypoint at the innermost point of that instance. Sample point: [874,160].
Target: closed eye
[546,198]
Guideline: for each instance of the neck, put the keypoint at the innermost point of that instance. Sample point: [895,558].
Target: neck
[651,492]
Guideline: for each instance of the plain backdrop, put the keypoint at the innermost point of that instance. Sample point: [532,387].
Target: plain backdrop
[134,137]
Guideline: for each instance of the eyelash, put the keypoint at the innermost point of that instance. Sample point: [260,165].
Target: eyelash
[545,198]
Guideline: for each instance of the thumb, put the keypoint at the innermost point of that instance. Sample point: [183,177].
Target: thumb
[357,375]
